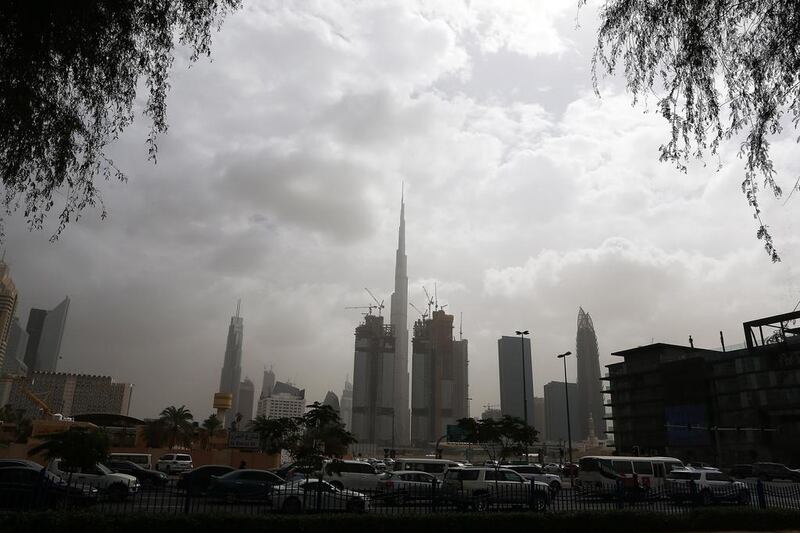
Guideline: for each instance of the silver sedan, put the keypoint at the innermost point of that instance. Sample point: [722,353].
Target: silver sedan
[313,494]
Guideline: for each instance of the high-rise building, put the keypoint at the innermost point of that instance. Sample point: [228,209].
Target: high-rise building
[540,417]
[514,355]
[346,405]
[555,405]
[14,364]
[285,401]
[231,375]
[590,390]
[399,320]
[45,330]
[8,304]
[491,413]
[439,384]
[374,381]
[247,394]
[267,383]
[71,394]
[332,401]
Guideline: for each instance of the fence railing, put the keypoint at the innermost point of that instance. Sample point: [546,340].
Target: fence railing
[397,499]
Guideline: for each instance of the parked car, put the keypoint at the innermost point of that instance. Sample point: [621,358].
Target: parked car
[19,462]
[26,487]
[436,467]
[243,484]
[147,478]
[709,486]
[196,481]
[353,475]
[480,488]
[535,473]
[775,471]
[145,460]
[116,486]
[318,495]
[742,471]
[552,468]
[404,485]
[172,463]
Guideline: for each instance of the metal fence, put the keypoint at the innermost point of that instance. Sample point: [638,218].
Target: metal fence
[435,498]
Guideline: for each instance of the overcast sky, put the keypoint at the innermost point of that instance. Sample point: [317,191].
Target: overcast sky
[279,181]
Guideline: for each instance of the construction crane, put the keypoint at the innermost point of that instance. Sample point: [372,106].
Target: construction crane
[41,404]
[380,305]
[423,315]
[430,300]
[368,307]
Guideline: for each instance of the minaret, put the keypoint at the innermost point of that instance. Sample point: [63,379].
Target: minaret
[399,319]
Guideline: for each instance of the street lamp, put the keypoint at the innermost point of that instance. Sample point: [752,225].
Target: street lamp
[566,396]
[524,383]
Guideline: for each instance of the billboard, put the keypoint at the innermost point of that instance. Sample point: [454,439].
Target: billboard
[244,440]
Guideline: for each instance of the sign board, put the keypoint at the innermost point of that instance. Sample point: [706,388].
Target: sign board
[243,440]
[456,434]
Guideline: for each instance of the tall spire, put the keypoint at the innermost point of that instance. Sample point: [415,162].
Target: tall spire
[399,319]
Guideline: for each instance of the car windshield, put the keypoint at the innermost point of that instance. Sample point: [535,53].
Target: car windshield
[102,468]
[183,458]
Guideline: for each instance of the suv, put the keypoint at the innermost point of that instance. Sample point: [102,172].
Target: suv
[353,475]
[174,462]
[774,471]
[479,488]
[705,487]
[117,486]
[535,473]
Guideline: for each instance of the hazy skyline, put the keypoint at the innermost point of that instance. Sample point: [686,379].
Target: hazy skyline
[279,180]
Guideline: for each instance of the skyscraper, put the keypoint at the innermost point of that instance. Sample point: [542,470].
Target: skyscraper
[374,376]
[399,319]
[514,355]
[8,304]
[247,394]
[231,375]
[555,405]
[439,384]
[45,330]
[15,352]
[332,401]
[346,405]
[267,383]
[590,393]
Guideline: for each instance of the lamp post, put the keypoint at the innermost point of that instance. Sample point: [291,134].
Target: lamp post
[524,383]
[566,396]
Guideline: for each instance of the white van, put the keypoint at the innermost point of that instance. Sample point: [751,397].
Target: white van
[145,460]
[435,467]
[352,475]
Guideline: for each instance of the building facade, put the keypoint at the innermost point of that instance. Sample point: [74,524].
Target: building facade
[720,407]
[45,331]
[231,374]
[285,401]
[374,371]
[8,305]
[14,364]
[590,390]
[247,394]
[514,357]
[71,394]
[540,416]
[439,388]
[267,383]
[555,416]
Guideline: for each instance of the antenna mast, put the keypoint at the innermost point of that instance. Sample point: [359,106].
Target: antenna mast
[461,327]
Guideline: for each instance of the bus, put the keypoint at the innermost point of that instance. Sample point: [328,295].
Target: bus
[602,472]
[435,467]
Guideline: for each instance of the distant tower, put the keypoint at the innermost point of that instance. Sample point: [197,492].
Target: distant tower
[346,405]
[332,400]
[15,352]
[512,363]
[399,319]
[45,330]
[247,393]
[8,304]
[267,383]
[231,375]
[590,394]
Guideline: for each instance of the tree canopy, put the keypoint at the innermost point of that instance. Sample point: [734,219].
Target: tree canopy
[177,425]
[77,447]
[68,80]
[501,438]
[721,69]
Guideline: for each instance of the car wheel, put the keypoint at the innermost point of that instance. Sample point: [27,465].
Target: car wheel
[337,484]
[355,506]
[291,505]
[743,498]
[481,504]
[539,503]
[117,492]
[705,498]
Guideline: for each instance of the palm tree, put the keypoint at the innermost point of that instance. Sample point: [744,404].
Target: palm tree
[275,434]
[211,425]
[178,427]
[77,447]
[22,425]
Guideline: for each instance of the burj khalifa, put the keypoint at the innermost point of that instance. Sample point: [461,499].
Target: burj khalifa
[399,319]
